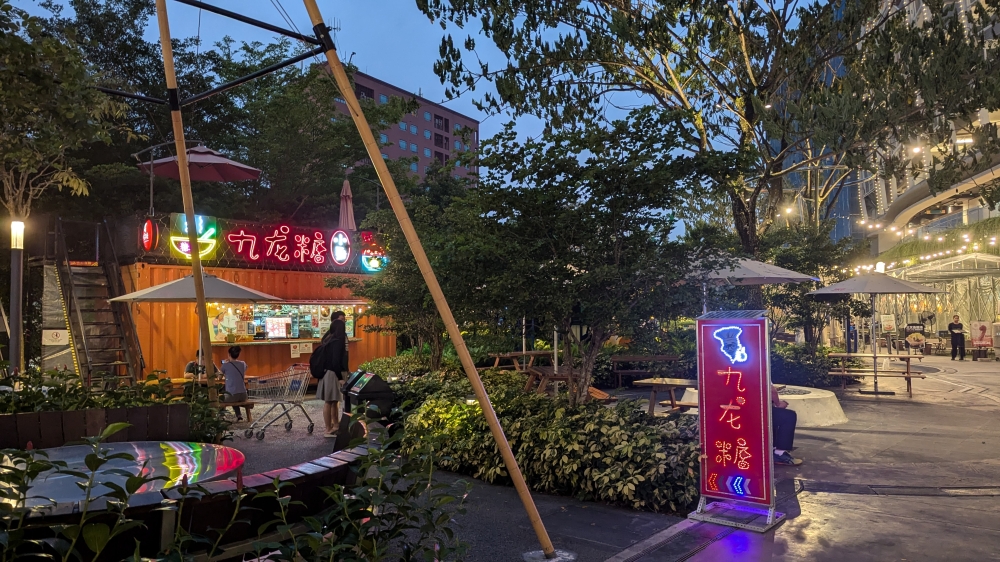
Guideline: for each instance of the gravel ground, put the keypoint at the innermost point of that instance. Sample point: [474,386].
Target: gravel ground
[281,448]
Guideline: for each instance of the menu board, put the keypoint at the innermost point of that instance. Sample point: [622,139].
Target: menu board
[274,321]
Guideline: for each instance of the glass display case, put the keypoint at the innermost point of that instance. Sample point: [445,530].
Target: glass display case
[274,322]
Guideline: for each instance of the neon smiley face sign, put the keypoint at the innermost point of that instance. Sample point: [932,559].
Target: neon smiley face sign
[340,247]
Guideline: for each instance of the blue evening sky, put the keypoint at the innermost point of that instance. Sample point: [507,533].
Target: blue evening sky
[392,39]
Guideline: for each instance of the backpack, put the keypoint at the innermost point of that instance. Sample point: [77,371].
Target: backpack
[317,361]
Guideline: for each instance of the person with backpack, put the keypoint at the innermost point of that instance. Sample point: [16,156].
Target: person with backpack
[328,364]
[235,372]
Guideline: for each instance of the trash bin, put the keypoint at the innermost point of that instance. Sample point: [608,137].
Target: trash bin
[368,388]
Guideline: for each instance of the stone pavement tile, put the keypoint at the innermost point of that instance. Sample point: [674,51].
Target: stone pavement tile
[837,527]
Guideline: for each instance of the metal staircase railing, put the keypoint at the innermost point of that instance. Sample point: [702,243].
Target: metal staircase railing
[65,272]
[122,311]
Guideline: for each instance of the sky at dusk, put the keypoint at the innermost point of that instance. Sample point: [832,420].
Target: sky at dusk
[392,39]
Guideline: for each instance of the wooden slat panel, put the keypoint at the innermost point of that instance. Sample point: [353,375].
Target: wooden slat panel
[157,422]
[117,415]
[96,422]
[74,425]
[28,430]
[51,427]
[178,422]
[137,418]
[8,432]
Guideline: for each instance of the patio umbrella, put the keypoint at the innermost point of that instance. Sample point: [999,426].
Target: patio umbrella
[182,290]
[873,284]
[750,272]
[204,164]
[347,207]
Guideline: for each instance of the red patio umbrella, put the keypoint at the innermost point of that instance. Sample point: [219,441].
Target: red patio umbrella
[205,164]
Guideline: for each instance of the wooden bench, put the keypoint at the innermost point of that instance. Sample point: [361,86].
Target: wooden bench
[246,405]
[679,406]
[618,360]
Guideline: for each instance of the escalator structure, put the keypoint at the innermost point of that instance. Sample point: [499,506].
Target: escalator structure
[102,334]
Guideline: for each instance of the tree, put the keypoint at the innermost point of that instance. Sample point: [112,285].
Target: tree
[757,80]
[582,230]
[48,108]
[445,214]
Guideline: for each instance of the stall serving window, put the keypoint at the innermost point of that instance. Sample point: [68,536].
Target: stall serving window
[277,322]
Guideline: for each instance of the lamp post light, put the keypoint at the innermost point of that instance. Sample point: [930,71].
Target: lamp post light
[16,279]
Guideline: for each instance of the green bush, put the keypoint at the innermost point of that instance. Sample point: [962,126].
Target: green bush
[401,366]
[617,455]
[795,365]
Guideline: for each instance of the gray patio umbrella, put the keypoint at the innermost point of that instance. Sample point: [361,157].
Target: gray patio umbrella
[182,290]
[750,272]
[873,284]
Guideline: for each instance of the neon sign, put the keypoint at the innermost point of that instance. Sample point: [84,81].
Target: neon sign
[735,406]
[373,257]
[206,229]
[149,236]
[340,247]
[729,337]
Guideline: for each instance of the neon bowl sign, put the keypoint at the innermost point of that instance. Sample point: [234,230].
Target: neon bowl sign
[340,247]
[206,229]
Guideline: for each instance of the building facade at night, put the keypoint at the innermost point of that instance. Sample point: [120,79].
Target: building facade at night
[432,133]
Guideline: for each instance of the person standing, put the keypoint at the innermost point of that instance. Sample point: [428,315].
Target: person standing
[957,338]
[235,372]
[334,350]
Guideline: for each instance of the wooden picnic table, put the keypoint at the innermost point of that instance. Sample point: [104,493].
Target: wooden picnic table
[514,356]
[545,375]
[846,371]
[667,385]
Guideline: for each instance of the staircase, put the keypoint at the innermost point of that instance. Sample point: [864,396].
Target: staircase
[102,333]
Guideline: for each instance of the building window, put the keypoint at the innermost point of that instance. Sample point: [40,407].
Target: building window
[427,116]
[413,147]
[364,92]
[402,144]
[441,157]
[413,129]
[441,123]
[427,134]
[457,127]
[440,141]
[385,156]
[427,169]
[413,166]
[402,125]
[339,99]
[466,147]
[458,145]
[382,98]
[383,139]
[427,152]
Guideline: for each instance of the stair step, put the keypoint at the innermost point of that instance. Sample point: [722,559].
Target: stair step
[112,364]
[105,310]
[100,323]
[106,336]
[106,349]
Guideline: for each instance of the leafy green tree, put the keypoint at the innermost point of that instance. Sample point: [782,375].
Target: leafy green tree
[583,232]
[48,107]
[758,80]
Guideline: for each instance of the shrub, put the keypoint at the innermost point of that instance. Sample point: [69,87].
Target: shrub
[401,366]
[795,365]
[592,452]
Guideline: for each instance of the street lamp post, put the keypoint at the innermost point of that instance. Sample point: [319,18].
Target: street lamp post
[16,283]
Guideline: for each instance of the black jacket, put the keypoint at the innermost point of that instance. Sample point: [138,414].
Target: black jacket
[336,347]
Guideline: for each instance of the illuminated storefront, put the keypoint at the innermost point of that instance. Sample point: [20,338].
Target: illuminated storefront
[288,261]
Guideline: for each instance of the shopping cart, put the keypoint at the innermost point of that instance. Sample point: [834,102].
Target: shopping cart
[284,390]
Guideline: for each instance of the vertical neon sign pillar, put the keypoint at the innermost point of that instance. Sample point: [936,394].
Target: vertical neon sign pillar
[186,197]
[734,406]
[392,194]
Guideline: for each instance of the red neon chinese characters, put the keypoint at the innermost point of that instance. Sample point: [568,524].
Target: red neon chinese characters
[729,372]
[724,455]
[276,250]
[242,238]
[742,454]
[733,418]
[302,247]
[318,250]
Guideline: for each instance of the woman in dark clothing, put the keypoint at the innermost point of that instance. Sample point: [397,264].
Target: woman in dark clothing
[334,347]
[957,338]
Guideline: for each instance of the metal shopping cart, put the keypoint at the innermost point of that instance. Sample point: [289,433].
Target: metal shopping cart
[284,390]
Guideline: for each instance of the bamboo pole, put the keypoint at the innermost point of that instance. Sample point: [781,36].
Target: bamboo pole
[187,198]
[347,93]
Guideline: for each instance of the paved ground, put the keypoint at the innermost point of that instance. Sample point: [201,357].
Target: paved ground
[904,479]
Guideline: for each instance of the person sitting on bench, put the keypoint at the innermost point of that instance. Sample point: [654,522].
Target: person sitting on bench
[235,372]
[783,430]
